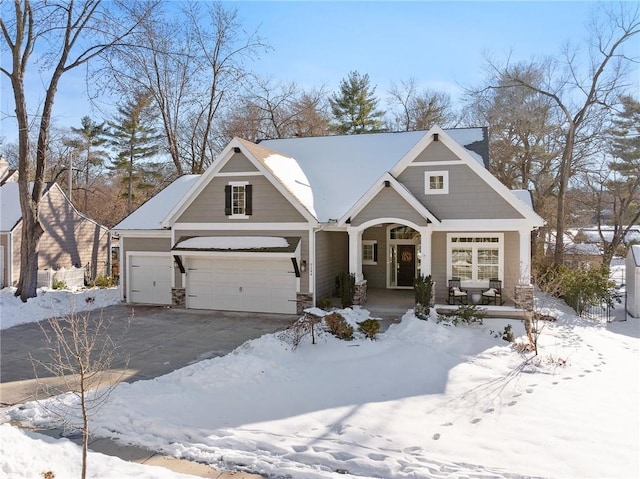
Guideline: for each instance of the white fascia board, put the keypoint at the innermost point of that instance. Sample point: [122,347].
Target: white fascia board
[232,254]
[243,226]
[485,225]
[142,233]
[199,185]
[398,188]
[468,160]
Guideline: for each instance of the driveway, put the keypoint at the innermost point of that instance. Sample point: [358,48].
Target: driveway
[158,340]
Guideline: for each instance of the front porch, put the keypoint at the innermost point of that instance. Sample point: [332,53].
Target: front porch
[391,304]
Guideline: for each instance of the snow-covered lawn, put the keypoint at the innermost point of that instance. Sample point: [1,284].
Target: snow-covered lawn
[424,400]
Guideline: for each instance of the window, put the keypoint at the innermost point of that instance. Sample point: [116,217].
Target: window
[436,182]
[369,252]
[238,199]
[475,259]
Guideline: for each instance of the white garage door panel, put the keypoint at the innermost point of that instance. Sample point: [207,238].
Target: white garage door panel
[259,285]
[150,279]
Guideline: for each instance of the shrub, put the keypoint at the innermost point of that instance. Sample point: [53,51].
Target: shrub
[507,334]
[582,288]
[423,286]
[58,284]
[338,326]
[324,303]
[346,288]
[466,313]
[369,327]
[298,330]
[104,282]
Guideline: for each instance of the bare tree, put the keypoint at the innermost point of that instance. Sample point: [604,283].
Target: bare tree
[82,354]
[419,110]
[71,34]
[582,90]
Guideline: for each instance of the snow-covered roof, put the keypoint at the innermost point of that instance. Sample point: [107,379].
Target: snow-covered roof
[150,215]
[524,196]
[340,169]
[10,212]
[592,235]
[587,249]
[233,242]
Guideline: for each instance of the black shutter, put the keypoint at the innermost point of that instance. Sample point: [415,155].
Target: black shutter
[375,252]
[248,192]
[227,200]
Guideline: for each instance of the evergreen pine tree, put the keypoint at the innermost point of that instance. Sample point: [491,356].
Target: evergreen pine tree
[134,139]
[354,106]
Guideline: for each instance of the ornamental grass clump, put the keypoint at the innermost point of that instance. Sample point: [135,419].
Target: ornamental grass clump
[338,326]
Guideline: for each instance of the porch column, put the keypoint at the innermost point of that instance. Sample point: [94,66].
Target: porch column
[355,253]
[425,250]
[525,256]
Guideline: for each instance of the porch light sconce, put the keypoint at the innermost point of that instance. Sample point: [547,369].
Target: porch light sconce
[435,137]
[236,149]
[303,265]
[387,183]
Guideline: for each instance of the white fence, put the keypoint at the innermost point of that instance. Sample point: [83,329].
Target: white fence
[72,277]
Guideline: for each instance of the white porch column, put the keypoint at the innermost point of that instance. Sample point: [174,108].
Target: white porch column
[425,250]
[355,253]
[525,256]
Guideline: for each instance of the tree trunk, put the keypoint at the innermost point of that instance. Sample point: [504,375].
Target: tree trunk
[563,186]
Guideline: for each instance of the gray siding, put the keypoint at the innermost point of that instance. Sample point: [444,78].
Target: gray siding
[158,245]
[332,258]
[439,265]
[304,246]
[376,275]
[70,239]
[388,204]
[511,263]
[238,163]
[436,151]
[269,205]
[469,195]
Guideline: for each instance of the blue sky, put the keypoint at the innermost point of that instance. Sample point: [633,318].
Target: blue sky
[440,44]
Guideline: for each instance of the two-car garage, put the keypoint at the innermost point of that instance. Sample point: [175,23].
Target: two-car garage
[245,279]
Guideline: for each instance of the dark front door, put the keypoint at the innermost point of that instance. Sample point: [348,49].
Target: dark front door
[406,264]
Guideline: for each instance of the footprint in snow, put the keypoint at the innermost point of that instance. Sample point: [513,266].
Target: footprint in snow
[517,395]
[488,411]
[377,457]
[555,382]
[436,436]
[512,403]
[447,424]
[567,377]
[299,448]
[412,449]
[476,420]
[529,390]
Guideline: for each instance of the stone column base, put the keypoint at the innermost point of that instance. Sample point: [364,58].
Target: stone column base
[179,297]
[360,293]
[303,301]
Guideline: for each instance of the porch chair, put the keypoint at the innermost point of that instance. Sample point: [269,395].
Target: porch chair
[493,295]
[456,294]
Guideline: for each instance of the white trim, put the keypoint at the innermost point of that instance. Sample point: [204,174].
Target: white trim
[239,216]
[2,266]
[398,188]
[435,164]
[311,264]
[468,160]
[213,171]
[395,242]
[244,173]
[484,225]
[396,221]
[474,283]
[142,233]
[233,254]
[242,227]
[10,256]
[428,174]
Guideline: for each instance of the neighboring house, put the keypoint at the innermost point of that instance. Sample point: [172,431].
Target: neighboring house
[582,255]
[269,226]
[632,271]
[70,239]
[592,235]
[7,175]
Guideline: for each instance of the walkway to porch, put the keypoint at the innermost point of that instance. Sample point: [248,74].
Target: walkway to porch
[393,303]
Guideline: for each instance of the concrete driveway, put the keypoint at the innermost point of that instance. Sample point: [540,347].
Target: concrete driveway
[157,341]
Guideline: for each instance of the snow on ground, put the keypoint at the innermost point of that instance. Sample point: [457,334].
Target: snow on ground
[425,400]
[26,454]
[51,303]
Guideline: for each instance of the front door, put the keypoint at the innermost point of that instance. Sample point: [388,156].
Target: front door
[406,264]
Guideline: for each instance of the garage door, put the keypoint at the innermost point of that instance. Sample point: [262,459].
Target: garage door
[150,279]
[256,285]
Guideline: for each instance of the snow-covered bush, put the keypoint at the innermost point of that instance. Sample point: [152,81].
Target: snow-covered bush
[338,326]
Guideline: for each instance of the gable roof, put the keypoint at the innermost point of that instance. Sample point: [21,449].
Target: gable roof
[149,216]
[341,169]
[10,212]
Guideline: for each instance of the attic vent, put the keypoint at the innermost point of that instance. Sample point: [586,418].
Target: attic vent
[236,149]
[435,137]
